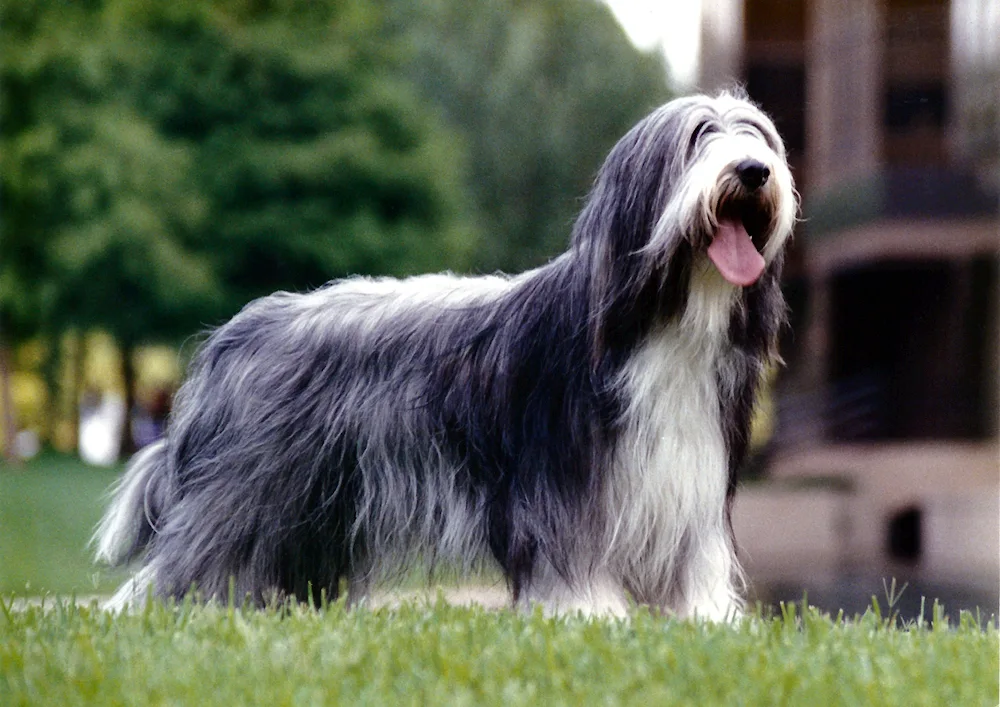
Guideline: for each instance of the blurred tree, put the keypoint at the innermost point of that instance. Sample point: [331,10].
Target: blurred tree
[540,91]
[100,214]
[315,160]
[165,163]
[37,72]
[128,259]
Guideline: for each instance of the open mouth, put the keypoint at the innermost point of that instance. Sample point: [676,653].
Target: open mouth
[735,243]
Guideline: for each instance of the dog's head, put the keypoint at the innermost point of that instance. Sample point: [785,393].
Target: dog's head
[730,191]
[701,178]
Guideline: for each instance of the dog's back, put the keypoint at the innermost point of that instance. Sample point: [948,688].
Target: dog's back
[305,440]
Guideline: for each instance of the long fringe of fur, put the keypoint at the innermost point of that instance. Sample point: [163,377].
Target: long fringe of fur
[579,425]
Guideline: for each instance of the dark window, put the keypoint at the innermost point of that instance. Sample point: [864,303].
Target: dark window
[905,535]
[910,347]
[909,107]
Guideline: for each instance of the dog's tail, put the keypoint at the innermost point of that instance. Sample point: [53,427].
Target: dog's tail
[137,499]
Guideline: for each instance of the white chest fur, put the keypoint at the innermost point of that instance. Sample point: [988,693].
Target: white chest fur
[667,493]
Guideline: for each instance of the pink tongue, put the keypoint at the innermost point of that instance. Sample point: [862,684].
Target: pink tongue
[733,253]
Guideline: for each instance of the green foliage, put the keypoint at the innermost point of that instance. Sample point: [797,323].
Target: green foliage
[100,212]
[316,162]
[164,163]
[161,164]
[35,80]
[540,91]
[439,654]
[124,260]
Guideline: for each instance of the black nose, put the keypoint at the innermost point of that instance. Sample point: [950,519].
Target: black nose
[753,174]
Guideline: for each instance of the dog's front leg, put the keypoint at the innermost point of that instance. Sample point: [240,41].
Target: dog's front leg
[710,580]
[595,594]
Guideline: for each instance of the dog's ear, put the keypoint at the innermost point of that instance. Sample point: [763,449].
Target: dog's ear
[628,282]
[602,240]
[621,234]
[626,278]
[601,275]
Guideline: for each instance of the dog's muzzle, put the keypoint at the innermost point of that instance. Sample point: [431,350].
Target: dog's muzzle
[732,249]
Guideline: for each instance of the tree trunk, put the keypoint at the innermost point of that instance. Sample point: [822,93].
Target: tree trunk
[127,448]
[50,375]
[79,371]
[7,405]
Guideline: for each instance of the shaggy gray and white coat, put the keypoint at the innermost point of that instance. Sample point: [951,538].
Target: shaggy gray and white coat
[579,425]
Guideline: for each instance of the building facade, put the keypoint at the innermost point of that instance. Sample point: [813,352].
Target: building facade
[891,113]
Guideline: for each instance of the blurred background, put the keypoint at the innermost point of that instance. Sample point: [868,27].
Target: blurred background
[161,164]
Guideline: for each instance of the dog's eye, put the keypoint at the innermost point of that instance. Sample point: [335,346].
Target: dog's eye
[757,131]
[752,130]
[705,127]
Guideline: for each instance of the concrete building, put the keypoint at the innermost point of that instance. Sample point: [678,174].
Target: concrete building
[891,113]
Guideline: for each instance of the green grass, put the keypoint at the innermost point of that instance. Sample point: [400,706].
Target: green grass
[61,653]
[48,510]
[438,654]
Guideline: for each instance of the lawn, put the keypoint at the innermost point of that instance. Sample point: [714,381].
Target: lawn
[48,510]
[419,653]
[439,654]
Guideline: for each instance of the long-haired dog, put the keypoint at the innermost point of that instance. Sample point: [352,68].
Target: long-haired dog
[579,425]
